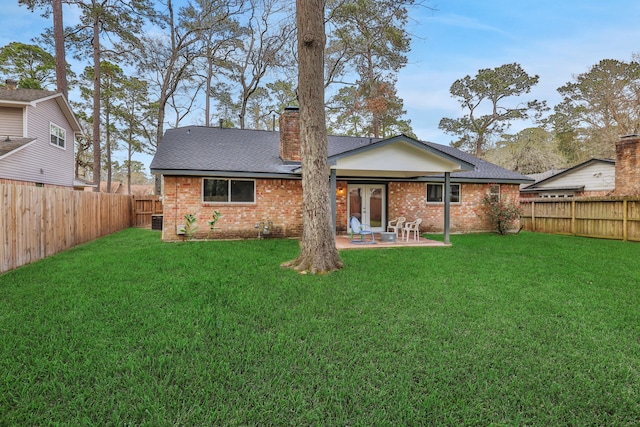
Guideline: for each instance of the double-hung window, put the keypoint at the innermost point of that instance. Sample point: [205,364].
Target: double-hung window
[494,193]
[220,190]
[435,193]
[58,135]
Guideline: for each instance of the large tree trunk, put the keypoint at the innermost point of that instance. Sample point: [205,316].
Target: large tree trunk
[318,252]
[58,36]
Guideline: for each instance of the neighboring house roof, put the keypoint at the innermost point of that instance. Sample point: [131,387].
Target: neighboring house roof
[198,150]
[24,97]
[119,187]
[8,145]
[547,180]
[81,184]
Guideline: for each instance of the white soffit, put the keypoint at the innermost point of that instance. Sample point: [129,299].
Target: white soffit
[399,159]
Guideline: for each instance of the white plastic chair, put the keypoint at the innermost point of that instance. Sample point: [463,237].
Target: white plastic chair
[409,227]
[395,225]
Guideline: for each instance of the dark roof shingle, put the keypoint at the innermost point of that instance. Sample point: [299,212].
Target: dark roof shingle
[198,148]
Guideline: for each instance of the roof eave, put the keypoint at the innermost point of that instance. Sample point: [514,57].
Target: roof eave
[469,180]
[224,174]
[551,189]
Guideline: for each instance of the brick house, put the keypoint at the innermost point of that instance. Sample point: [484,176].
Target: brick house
[254,177]
[37,136]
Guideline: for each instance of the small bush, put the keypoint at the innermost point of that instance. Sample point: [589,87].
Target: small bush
[502,214]
[190,226]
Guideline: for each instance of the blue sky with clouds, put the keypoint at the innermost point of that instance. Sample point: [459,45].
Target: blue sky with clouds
[553,39]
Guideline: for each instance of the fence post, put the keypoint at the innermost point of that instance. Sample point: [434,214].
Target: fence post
[533,215]
[625,223]
[573,217]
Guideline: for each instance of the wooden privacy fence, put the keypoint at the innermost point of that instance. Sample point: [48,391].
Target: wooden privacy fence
[601,217]
[144,208]
[38,222]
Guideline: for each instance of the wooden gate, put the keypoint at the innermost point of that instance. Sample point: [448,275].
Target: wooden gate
[144,208]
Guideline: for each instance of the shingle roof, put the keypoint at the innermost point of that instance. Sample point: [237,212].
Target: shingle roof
[24,95]
[8,145]
[210,149]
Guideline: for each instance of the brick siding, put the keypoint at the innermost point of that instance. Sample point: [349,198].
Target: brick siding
[277,200]
[410,200]
[628,166]
[280,201]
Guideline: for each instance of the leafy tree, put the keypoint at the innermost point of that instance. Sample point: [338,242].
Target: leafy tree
[349,116]
[531,150]
[485,98]
[600,105]
[318,252]
[54,7]
[282,94]
[369,37]
[119,22]
[133,171]
[33,66]
[110,93]
[136,116]
[354,112]
[228,108]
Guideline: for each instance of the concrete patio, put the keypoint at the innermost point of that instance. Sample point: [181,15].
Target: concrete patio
[344,242]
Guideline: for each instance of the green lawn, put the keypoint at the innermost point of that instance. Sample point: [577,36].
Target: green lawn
[530,329]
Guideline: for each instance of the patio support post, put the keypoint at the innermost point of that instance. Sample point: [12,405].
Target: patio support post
[447,203]
[333,199]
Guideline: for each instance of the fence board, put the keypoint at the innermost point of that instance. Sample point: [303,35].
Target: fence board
[38,222]
[599,217]
[144,207]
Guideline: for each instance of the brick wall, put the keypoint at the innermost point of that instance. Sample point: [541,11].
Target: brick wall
[280,201]
[290,135]
[277,200]
[410,200]
[628,166]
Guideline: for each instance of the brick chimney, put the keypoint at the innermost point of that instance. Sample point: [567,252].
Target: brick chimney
[290,134]
[11,84]
[628,166]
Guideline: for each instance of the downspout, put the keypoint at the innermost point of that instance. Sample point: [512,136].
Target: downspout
[333,199]
[447,203]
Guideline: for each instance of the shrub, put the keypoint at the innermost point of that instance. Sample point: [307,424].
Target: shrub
[190,226]
[502,214]
[214,218]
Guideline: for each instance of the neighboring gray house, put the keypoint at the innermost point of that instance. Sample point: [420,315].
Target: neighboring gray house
[254,177]
[37,136]
[595,177]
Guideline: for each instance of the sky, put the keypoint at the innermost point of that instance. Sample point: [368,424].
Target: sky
[555,40]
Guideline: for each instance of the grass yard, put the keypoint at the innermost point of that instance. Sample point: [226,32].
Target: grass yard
[531,329]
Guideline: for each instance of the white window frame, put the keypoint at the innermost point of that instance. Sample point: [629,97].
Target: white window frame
[229,201]
[494,195]
[442,192]
[55,131]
